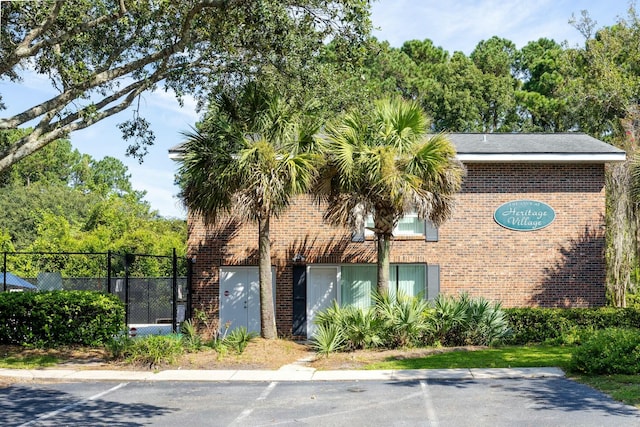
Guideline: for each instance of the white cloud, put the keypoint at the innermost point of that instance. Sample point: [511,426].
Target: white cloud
[461,25]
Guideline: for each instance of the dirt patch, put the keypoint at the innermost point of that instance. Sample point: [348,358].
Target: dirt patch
[259,354]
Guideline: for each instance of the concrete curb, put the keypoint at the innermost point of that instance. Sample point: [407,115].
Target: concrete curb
[286,373]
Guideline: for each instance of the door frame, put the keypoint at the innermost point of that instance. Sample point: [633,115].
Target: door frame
[250,324]
[310,309]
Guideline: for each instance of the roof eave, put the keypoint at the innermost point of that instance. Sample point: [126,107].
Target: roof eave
[542,158]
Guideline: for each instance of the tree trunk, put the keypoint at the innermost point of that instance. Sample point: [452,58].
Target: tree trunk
[267,316]
[621,233]
[384,255]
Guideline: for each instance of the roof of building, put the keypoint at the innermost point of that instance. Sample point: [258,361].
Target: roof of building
[570,147]
[533,147]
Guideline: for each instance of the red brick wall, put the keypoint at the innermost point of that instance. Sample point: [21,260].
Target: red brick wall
[560,265]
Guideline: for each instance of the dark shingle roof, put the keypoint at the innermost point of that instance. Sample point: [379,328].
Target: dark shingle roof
[559,147]
[521,147]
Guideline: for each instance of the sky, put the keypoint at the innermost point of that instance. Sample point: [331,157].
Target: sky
[455,26]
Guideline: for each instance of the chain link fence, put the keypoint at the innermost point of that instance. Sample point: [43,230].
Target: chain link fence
[154,288]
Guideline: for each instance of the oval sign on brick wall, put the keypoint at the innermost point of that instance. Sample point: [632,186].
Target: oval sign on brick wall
[524,215]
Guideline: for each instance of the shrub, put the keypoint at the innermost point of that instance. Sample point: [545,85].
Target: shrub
[486,323]
[562,325]
[468,321]
[362,328]
[359,328]
[191,340]
[608,351]
[50,319]
[449,320]
[404,320]
[153,350]
[119,345]
[239,338]
[328,338]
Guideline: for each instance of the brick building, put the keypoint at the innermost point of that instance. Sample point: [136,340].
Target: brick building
[527,230]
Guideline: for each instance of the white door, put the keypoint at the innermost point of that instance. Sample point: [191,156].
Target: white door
[240,297]
[322,290]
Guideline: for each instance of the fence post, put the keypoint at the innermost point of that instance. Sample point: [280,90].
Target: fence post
[4,276]
[126,290]
[174,313]
[190,263]
[109,271]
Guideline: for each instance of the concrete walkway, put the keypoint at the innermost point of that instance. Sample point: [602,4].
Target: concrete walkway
[293,372]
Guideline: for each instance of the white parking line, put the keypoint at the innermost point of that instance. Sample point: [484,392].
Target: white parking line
[71,406]
[265,393]
[432,418]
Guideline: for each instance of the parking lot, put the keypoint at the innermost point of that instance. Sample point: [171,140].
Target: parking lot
[478,402]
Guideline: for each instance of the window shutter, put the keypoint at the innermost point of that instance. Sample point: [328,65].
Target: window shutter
[430,232]
[433,281]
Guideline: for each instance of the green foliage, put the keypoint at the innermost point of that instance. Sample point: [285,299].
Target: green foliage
[402,321]
[624,388]
[360,328]
[608,351]
[153,350]
[382,163]
[119,345]
[58,200]
[238,339]
[85,48]
[468,321]
[405,321]
[560,325]
[328,339]
[252,156]
[191,340]
[52,319]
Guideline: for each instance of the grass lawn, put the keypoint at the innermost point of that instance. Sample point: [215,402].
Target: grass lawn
[625,388]
[32,361]
[502,357]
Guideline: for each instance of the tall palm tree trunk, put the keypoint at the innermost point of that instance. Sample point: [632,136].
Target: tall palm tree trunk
[384,255]
[267,318]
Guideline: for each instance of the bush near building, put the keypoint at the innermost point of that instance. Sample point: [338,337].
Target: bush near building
[58,318]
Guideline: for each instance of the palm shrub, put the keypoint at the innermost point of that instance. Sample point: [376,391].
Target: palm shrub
[468,321]
[239,338]
[404,319]
[362,328]
[154,350]
[328,338]
[449,320]
[190,338]
[486,322]
[359,328]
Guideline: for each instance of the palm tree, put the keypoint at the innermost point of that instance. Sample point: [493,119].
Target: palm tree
[384,164]
[249,159]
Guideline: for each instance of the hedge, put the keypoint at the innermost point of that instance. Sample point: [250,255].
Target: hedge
[50,319]
[608,351]
[535,325]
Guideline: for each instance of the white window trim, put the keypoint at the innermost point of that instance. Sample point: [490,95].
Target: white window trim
[396,232]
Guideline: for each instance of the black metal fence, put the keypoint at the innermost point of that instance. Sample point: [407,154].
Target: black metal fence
[154,288]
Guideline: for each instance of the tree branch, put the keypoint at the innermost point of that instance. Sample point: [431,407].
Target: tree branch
[26,50]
